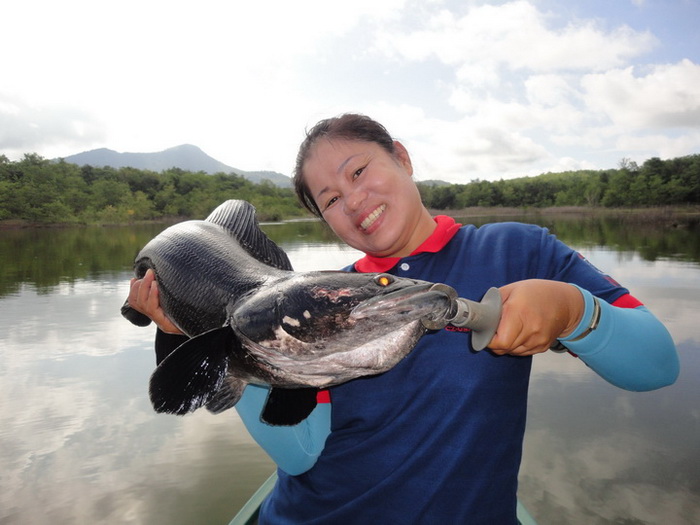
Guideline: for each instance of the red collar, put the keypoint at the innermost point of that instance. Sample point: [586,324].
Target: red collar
[446,229]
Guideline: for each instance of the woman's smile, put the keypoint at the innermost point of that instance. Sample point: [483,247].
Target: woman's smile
[369,220]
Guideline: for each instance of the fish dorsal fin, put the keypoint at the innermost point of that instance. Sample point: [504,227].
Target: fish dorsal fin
[238,218]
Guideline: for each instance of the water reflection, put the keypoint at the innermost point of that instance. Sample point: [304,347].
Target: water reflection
[597,454]
[47,257]
[80,443]
[78,434]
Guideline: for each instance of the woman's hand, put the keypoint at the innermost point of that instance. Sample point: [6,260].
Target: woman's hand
[143,297]
[535,313]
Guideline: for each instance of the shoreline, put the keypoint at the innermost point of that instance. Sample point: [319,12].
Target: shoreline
[671,214]
[582,211]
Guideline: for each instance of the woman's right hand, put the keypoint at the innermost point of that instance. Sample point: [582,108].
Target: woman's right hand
[535,313]
[143,297]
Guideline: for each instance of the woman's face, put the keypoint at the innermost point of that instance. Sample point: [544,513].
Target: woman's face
[367,196]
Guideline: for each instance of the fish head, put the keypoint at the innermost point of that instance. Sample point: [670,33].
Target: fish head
[338,323]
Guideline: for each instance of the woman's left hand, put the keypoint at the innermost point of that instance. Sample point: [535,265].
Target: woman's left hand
[144,298]
[535,313]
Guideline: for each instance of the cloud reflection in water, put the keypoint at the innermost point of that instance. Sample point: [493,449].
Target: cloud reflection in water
[597,454]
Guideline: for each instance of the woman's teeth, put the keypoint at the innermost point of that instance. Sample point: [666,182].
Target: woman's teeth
[372,217]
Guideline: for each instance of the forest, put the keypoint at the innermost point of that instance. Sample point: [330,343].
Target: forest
[656,183]
[36,190]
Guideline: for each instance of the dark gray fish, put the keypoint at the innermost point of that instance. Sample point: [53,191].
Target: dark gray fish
[251,319]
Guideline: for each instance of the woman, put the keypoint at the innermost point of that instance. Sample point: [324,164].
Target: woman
[438,438]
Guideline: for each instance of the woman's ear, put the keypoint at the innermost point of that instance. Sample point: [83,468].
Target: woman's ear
[402,157]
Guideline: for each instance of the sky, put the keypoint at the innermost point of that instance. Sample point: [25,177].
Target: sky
[474,89]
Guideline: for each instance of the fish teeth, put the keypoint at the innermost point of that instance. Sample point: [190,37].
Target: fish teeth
[369,220]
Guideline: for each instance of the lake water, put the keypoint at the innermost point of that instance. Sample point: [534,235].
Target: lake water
[80,443]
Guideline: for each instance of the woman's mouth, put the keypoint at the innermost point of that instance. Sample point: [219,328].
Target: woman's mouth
[369,220]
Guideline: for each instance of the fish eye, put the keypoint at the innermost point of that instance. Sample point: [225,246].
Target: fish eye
[384,279]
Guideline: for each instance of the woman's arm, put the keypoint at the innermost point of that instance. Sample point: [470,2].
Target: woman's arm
[628,347]
[294,449]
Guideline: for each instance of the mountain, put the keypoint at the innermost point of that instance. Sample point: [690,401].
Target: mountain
[433,182]
[186,157]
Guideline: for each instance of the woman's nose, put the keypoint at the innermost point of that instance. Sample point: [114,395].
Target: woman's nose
[354,200]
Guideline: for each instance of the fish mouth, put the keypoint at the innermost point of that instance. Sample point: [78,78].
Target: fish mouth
[410,303]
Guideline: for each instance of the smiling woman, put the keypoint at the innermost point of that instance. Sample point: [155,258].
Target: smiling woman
[344,461]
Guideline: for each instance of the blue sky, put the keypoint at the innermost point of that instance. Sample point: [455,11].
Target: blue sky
[474,89]
[673,22]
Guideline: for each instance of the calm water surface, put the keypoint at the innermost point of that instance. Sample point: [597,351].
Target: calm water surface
[79,442]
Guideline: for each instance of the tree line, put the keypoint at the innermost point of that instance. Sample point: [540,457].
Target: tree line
[38,190]
[656,183]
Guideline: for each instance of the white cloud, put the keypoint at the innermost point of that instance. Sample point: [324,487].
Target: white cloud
[161,73]
[518,36]
[545,87]
[24,127]
[481,89]
[660,145]
[667,96]
[548,90]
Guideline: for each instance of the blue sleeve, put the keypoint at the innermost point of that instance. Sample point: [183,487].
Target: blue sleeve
[629,347]
[294,449]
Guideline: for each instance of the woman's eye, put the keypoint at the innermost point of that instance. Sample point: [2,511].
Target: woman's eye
[358,173]
[330,202]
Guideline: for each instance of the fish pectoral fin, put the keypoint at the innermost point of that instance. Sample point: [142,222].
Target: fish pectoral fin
[288,406]
[190,376]
[227,396]
[134,316]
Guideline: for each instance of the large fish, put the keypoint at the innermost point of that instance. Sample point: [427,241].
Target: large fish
[251,319]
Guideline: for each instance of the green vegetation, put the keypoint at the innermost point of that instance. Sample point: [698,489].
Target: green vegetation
[656,183]
[37,190]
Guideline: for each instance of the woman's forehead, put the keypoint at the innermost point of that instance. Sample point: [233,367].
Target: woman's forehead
[338,150]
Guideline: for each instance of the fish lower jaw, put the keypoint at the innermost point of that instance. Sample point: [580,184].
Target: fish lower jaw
[369,220]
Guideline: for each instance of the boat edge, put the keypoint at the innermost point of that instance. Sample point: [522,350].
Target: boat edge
[248,514]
